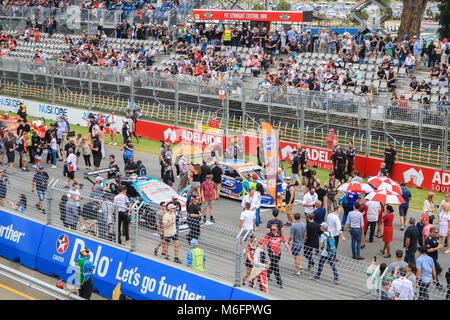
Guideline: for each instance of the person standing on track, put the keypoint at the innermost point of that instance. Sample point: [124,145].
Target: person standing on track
[403,208]
[274,240]
[84,274]
[40,183]
[390,158]
[121,202]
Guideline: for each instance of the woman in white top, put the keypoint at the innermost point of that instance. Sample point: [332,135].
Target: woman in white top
[444,218]
[428,204]
[112,122]
[54,149]
[257,200]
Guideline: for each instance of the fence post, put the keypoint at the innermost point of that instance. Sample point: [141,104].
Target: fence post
[244,110]
[19,82]
[52,75]
[49,202]
[238,263]
[226,106]
[177,87]
[445,146]
[90,89]
[369,133]
[131,89]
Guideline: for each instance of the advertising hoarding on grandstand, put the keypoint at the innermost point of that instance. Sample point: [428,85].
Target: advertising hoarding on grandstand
[268,16]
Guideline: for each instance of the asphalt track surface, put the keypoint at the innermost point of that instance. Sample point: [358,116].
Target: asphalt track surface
[219,243]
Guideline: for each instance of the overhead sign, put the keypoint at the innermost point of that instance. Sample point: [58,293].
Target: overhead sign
[235,15]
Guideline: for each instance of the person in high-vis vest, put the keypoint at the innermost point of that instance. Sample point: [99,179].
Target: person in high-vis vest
[84,270]
[196,257]
[226,37]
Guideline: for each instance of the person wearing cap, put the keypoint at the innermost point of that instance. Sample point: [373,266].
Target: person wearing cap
[208,195]
[390,158]
[84,272]
[289,200]
[98,186]
[194,218]
[330,139]
[426,273]
[403,208]
[71,165]
[39,183]
[170,232]
[196,257]
[126,131]
[443,106]
[410,241]
[391,78]
[328,253]
[122,203]
[331,186]
[260,266]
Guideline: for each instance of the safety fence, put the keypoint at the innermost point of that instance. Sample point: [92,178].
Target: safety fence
[224,245]
[418,133]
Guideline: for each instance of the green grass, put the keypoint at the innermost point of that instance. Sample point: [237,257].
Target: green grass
[152,147]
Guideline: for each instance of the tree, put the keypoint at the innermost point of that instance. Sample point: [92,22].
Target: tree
[283,6]
[411,19]
[444,18]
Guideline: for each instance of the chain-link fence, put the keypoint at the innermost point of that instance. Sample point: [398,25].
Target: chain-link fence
[94,214]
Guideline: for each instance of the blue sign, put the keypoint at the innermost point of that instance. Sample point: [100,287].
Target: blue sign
[61,249]
[53,110]
[241,294]
[9,102]
[19,238]
[144,279]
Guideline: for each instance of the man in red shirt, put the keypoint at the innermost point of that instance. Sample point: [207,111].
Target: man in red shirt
[330,139]
[213,122]
[274,240]
[208,195]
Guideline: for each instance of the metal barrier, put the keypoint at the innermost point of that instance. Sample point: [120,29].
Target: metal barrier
[224,245]
[418,133]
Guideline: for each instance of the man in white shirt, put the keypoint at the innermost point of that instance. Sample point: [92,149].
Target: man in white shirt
[309,200]
[334,225]
[250,198]
[71,163]
[121,202]
[373,210]
[247,218]
[402,288]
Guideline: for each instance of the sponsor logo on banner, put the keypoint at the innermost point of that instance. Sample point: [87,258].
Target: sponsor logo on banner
[441,181]
[195,137]
[62,243]
[270,143]
[52,110]
[413,175]
[319,158]
[11,103]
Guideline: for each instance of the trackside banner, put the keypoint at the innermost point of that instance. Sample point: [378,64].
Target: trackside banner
[19,238]
[53,252]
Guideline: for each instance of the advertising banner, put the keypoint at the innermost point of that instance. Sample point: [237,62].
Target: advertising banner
[270,145]
[146,279]
[317,157]
[60,249]
[235,15]
[50,112]
[19,238]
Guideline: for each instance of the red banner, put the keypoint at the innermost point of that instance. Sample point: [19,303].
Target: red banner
[279,16]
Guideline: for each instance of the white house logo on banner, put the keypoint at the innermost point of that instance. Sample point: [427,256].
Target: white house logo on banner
[287,152]
[413,175]
[170,134]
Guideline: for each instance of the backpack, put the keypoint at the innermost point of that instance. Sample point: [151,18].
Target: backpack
[330,244]
[343,200]
[128,154]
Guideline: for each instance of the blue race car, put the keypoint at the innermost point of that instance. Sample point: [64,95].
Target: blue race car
[234,174]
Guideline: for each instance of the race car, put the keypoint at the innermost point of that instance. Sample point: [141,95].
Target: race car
[152,192]
[11,124]
[234,174]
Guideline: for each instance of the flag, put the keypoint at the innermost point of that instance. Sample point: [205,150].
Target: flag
[270,147]
[117,292]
